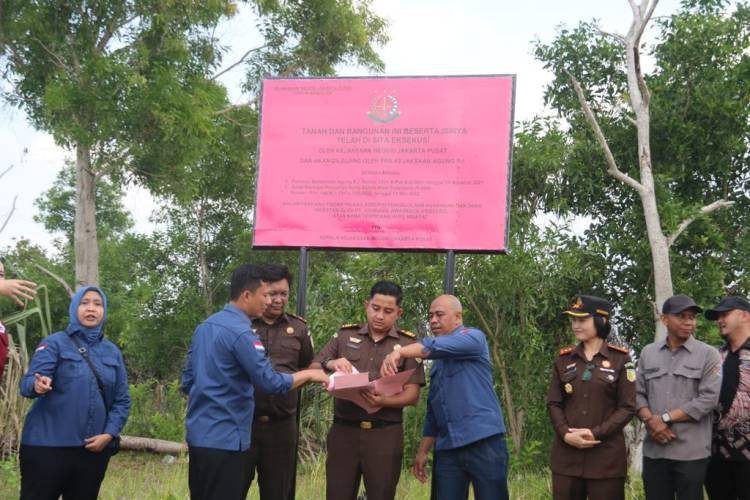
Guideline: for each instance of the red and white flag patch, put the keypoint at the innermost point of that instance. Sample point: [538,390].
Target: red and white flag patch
[258,345]
[41,347]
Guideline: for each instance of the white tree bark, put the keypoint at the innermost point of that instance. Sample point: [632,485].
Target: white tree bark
[644,186]
[84,233]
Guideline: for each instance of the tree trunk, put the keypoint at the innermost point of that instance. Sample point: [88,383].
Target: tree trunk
[134,443]
[639,100]
[203,275]
[84,234]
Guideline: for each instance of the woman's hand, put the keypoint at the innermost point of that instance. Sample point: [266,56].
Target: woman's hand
[580,438]
[97,443]
[42,384]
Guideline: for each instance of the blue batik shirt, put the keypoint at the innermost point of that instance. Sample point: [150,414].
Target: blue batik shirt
[462,406]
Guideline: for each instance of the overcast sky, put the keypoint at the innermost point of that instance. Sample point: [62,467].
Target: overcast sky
[428,37]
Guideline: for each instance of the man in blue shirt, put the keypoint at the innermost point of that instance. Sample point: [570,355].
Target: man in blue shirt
[225,359]
[464,420]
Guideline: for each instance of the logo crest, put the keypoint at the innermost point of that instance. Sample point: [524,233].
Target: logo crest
[578,304]
[383,107]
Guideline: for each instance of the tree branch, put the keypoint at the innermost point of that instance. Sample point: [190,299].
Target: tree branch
[646,18]
[57,59]
[111,30]
[612,168]
[6,171]
[717,205]
[55,277]
[231,107]
[12,209]
[616,36]
[241,60]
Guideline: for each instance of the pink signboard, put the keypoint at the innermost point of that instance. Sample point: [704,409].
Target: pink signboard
[406,163]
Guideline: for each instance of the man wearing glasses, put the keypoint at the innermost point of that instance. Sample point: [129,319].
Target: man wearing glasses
[678,383]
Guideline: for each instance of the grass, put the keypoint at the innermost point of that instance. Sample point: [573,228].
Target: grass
[146,477]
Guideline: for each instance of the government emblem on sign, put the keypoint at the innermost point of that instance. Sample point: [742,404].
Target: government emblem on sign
[383,107]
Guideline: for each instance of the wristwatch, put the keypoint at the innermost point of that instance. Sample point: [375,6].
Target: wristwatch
[324,362]
[666,418]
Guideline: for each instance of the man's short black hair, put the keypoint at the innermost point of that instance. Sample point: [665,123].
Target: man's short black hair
[277,272]
[246,277]
[387,288]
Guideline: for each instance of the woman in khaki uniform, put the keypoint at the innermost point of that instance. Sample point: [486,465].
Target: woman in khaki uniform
[591,399]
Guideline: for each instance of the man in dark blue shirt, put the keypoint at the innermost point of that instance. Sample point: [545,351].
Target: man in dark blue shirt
[464,420]
[225,359]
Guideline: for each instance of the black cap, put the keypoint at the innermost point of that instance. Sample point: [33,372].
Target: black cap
[727,304]
[588,305]
[678,303]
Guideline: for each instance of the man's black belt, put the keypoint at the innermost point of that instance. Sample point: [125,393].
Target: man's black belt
[264,419]
[364,424]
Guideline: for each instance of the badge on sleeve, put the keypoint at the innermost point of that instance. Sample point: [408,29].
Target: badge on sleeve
[630,371]
[259,346]
[568,388]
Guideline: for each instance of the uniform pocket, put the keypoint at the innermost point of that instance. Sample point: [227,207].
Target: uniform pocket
[290,343]
[352,354]
[70,366]
[109,373]
[687,380]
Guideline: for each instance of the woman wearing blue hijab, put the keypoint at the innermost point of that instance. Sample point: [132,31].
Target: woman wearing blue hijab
[69,433]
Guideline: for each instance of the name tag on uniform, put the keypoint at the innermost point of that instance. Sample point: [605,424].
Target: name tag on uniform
[608,370]
[355,340]
[571,365]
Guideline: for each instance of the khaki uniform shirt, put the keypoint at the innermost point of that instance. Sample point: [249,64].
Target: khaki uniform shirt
[688,378]
[290,349]
[605,404]
[354,343]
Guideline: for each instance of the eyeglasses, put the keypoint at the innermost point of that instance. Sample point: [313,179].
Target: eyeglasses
[587,374]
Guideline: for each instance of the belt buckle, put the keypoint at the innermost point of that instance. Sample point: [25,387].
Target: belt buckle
[365,424]
[264,419]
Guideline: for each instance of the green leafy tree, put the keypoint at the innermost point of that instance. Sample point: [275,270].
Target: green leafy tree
[130,85]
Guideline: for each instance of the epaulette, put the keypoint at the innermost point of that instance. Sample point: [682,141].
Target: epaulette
[566,350]
[623,350]
[350,325]
[297,317]
[408,333]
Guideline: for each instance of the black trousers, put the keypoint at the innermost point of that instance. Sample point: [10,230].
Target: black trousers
[48,472]
[728,480]
[272,451]
[665,479]
[218,474]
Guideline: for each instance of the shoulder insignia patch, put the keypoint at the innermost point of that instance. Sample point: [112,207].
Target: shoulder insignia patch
[619,348]
[297,317]
[566,350]
[350,325]
[408,333]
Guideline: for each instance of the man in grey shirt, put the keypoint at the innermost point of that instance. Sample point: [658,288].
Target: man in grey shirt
[677,388]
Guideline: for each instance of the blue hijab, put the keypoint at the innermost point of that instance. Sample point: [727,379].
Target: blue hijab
[90,334]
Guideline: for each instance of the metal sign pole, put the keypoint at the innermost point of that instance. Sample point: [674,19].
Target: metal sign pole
[449,282]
